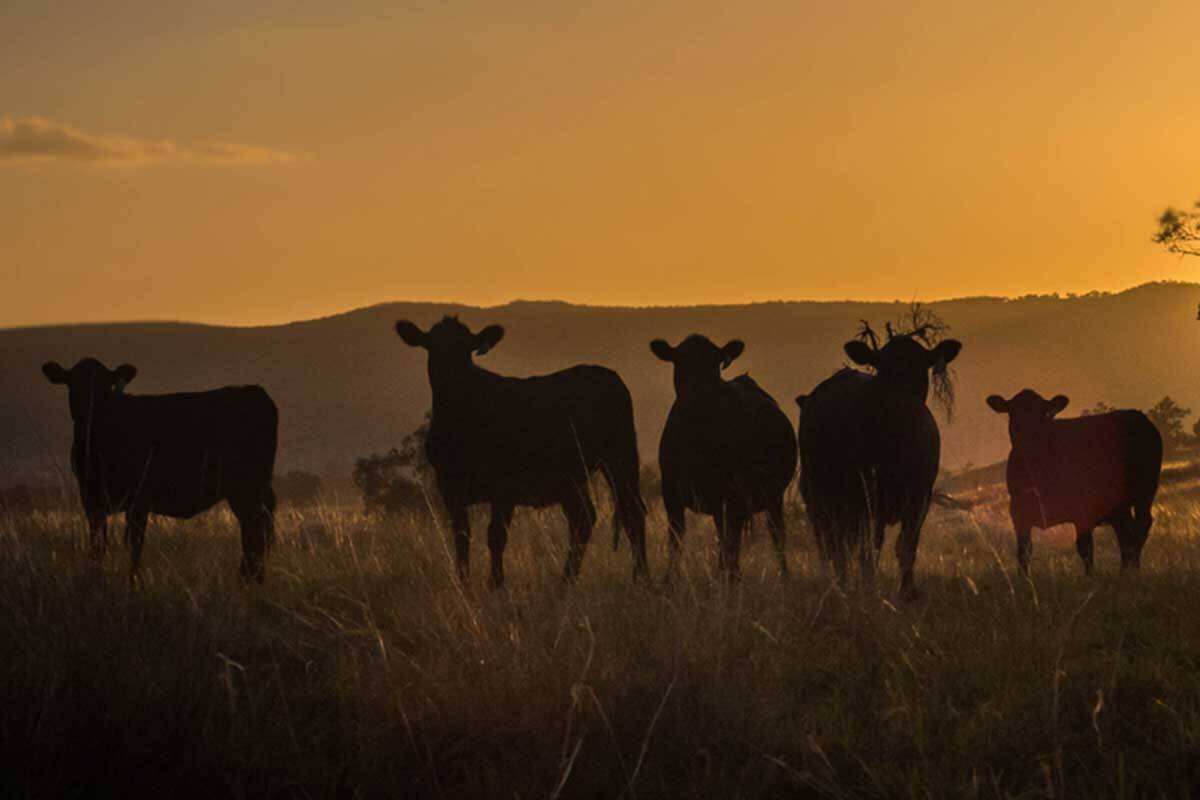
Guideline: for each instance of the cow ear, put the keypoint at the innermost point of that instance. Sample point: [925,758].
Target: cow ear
[997,404]
[860,353]
[411,334]
[943,354]
[123,376]
[1055,406]
[732,349]
[487,338]
[54,372]
[663,350]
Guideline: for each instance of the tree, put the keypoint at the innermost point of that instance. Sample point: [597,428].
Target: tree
[412,450]
[1179,230]
[397,480]
[1168,417]
[1101,407]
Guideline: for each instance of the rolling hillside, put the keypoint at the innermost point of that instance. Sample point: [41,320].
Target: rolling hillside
[346,385]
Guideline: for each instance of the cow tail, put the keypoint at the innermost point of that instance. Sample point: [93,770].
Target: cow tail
[616,527]
[627,497]
[269,504]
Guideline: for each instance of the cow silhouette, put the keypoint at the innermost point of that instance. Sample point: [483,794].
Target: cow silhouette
[175,455]
[727,451]
[1087,471]
[526,442]
[870,447]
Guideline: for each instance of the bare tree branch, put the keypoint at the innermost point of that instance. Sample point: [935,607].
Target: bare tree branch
[1179,230]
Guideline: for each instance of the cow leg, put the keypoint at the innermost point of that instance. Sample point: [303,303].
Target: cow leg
[906,547]
[136,520]
[581,518]
[460,526]
[1024,545]
[497,539]
[98,533]
[837,548]
[635,527]
[1142,520]
[870,548]
[676,525]
[1083,545]
[256,521]
[729,537]
[777,526]
[1130,536]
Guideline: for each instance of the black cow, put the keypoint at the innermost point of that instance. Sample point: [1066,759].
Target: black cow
[171,454]
[526,442]
[1086,472]
[869,450]
[727,450]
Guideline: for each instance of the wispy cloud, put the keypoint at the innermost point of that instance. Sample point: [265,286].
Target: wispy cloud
[38,139]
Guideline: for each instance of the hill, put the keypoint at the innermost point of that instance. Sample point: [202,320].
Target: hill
[347,386]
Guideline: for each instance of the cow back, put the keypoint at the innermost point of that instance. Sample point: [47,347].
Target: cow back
[524,440]
[178,454]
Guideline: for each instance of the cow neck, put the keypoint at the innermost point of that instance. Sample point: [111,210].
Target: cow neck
[698,391]
[92,418]
[456,388]
[889,391]
[1031,438]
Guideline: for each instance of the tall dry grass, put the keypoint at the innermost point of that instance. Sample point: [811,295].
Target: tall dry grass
[363,668]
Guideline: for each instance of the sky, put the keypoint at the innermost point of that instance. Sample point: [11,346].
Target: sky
[244,165]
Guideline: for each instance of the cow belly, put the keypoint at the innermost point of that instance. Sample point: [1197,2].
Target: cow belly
[1041,515]
[183,485]
[707,493]
[517,488]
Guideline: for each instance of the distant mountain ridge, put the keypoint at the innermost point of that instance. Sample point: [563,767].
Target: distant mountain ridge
[346,385]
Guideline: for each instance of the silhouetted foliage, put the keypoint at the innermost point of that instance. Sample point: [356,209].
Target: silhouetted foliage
[1179,230]
[1168,417]
[298,487]
[1101,407]
[396,481]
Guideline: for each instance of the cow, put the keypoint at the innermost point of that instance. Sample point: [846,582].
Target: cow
[870,447]
[727,450]
[531,441]
[1085,472]
[174,455]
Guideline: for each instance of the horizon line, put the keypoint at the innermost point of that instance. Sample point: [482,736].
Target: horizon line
[1064,297]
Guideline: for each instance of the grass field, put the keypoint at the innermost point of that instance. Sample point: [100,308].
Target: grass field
[363,668]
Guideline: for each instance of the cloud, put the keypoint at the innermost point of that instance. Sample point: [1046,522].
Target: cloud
[37,139]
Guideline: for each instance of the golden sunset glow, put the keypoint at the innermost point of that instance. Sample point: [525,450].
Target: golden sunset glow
[243,166]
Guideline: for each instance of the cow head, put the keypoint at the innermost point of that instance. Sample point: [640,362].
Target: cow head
[90,384]
[450,343]
[904,363]
[1027,410]
[698,362]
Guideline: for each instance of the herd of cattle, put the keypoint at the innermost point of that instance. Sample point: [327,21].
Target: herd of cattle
[867,443]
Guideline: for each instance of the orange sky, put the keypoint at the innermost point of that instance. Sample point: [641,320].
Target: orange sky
[249,166]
